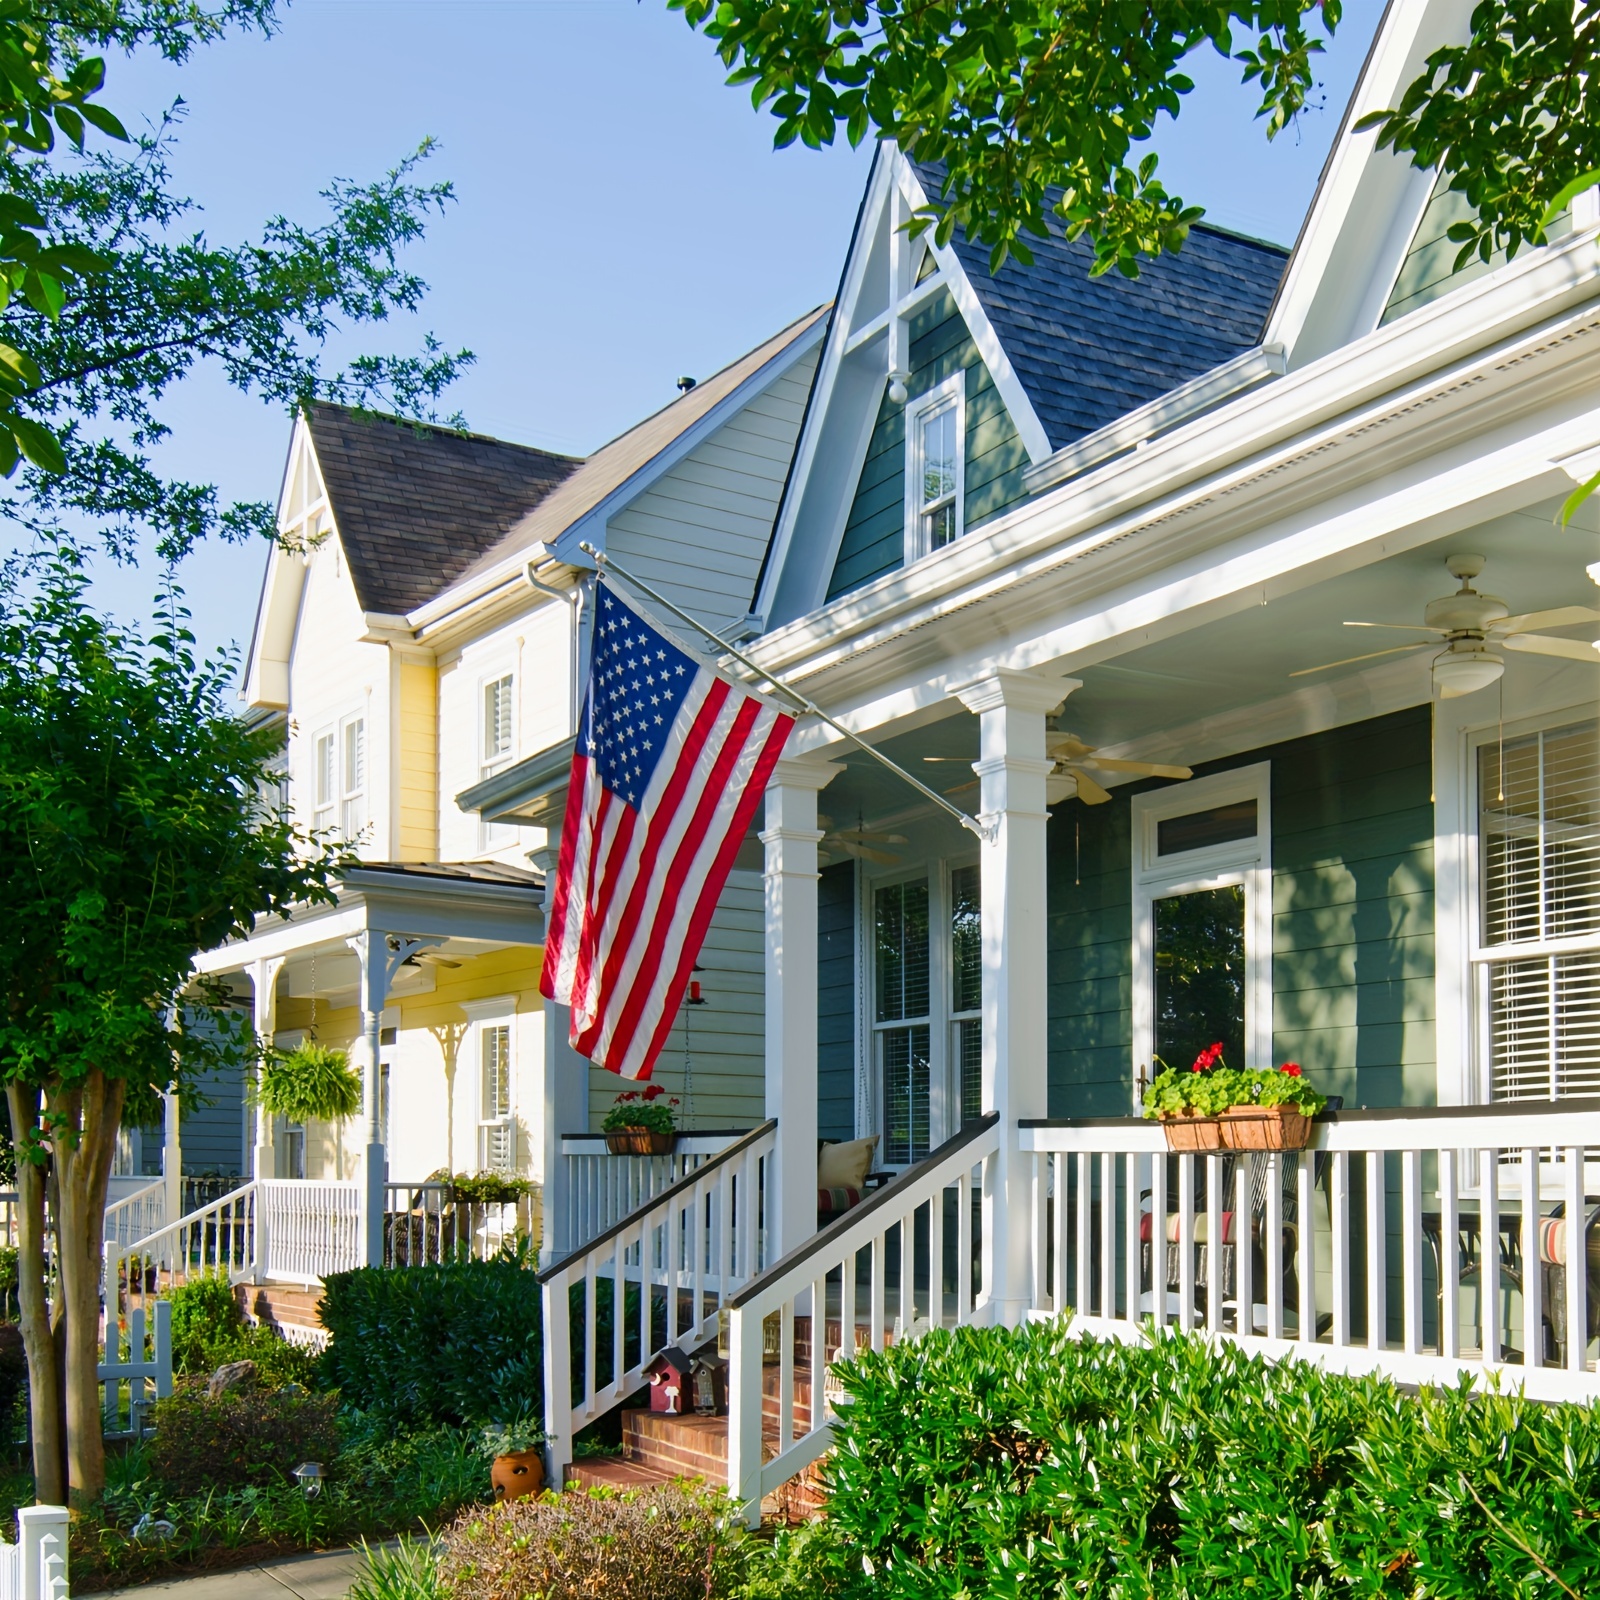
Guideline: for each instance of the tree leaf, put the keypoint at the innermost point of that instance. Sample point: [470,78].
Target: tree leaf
[38,444]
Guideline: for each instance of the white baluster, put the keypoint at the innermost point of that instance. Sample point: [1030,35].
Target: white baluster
[1532,1273]
[1272,1245]
[1491,1334]
[1377,1279]
[1411,1244]
[1185,1241]
[1577,1264]
[1306,1262]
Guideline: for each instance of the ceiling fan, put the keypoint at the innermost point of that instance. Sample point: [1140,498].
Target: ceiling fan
[860,841]
[1075,759]
[1471,623]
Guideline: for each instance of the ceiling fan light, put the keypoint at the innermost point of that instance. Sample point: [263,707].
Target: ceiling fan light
[1459,671]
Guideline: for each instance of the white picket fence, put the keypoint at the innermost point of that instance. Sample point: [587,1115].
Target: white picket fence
[35,1567]
[144,1364]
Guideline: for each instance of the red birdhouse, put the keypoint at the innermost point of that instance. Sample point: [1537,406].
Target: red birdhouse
[669,1382]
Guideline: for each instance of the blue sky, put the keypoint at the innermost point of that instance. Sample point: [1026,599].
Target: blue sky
[622,217]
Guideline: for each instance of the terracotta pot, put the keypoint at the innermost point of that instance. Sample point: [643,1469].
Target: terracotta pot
[1201,1134]
[640,1142]
[1265,1128]
[518,1474]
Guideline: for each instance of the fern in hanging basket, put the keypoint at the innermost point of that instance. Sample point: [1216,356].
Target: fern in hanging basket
[310,1083]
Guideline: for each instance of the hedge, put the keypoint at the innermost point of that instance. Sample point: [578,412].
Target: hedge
[458,1343]
[994,1462]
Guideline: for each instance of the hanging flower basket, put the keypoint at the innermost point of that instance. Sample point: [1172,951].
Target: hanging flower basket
[639,1142]
[1265,1128]
[1192,1134]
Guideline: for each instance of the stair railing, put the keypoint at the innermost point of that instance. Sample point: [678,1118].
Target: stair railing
[137,1215]
[220,1237]
[908,1258]
[656,1279]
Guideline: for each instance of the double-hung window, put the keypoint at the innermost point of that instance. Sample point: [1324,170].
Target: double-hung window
[496,1134]
[927,982]
[353,774]
[496,747]
[1538,955]
[935,450]
[324,779]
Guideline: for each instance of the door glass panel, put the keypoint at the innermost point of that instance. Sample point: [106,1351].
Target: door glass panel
[1199,975]
[969,1066]
[905,1094]
[966,940]
[902,950]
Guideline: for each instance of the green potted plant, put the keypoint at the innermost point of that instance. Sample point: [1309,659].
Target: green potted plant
[516,1465]
[641,1123]
[1188,1103]
[311,1083]
[1272,1110]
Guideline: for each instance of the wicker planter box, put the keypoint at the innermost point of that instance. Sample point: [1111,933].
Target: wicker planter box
[1192,1134]
[1265,1128]
[640,1142]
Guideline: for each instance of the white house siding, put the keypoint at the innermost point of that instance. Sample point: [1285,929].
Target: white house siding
[536,648]
[699,531]
[334,675]
[727,1033]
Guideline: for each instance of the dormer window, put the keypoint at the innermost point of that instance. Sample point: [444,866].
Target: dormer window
[935,436]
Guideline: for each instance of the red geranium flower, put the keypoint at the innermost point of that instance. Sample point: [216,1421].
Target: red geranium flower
[654,1091]
[1208,1058]
[1291,1067]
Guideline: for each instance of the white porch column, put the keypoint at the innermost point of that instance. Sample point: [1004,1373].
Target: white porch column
[566,1100]
[380,955]
[791,837]
[1012,768]
[264,976]
[172,1155]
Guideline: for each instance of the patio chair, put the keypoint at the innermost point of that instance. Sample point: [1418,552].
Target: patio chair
[1555,1253]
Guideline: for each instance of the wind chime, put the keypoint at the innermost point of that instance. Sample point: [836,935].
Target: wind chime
[693,998]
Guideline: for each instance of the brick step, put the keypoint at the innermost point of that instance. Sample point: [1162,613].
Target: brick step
[693,1446]
[280,1305]
[612,1472]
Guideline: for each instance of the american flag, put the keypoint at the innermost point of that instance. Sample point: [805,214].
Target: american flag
[670,765]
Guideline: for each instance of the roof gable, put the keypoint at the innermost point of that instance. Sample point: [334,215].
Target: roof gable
[415,506]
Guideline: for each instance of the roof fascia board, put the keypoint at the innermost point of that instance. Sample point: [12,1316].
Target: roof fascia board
[1178,405]
[840,327]
[282,568]
[1500,321]
[1369,200]
[1023,417]
[461,601]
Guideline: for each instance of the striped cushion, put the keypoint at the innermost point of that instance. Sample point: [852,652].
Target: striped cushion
[837,1199]
[1201,1227]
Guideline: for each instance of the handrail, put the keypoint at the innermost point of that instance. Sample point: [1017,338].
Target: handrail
[1578,1105]
[672,1192]
[857,1219]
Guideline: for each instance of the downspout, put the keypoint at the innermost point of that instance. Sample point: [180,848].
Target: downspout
[574,600]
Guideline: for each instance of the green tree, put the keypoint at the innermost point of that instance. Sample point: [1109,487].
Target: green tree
[1039,109]
[132,833]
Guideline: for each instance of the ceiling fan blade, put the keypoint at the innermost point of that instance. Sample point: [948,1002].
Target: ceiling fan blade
[1399,649]
[1145,769]
[967,759]
[1067,747]
[1560,617]
[1409,627]
[866,836]
[1539,644]
[1089,791]
[864,853]
[965,788]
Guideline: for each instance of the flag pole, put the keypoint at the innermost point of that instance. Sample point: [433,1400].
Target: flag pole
[607,564]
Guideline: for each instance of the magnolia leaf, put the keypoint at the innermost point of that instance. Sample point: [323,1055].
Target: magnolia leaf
[38,444]
[24,368]
[105,121]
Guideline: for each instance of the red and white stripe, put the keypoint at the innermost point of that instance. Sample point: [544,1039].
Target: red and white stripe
[636,887]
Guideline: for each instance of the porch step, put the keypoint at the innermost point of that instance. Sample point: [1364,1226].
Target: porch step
[282,1306]
[681,1447]
[612,1472]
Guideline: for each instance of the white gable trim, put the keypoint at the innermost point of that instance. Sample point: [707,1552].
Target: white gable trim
[1368,202]
[1023,417]
[266,678]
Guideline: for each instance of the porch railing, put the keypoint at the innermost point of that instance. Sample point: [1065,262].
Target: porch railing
[137,1215]
[221,1237]
[1417,1243]
[424,1225]
[653,1279]
[908,1257]
[603,1188]
[307,1228]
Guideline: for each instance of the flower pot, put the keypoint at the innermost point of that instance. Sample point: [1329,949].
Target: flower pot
[1192,1133]
[516,1475]
[1265,1128]
[639,1142]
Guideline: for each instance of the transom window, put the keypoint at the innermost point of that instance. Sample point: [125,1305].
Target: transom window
[935,447]
[927,1003]
[1538,962]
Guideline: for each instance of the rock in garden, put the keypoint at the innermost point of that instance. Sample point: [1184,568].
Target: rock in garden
[231,1375]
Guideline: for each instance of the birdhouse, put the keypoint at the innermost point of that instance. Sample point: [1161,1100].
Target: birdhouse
[708,1377]
[669,1382]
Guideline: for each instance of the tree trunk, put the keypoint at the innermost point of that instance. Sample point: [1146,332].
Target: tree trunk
[83,1165]
[38,1340]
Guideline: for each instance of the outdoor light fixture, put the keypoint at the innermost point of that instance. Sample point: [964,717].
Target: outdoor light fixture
[1464,668]
[897,387]
[309,1476]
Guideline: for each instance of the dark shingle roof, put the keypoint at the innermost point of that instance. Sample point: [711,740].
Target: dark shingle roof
[415,506]
[1090,350]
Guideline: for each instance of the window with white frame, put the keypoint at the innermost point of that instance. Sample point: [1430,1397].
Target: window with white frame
[935,467]
[1202,921]
[1537,955]
[324,779]
[497,746]
[496,1135]
[353,777]
[927,983]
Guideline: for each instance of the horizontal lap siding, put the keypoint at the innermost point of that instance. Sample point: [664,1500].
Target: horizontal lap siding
[1352,917]
[699,532]
[874,535]
[836,1002]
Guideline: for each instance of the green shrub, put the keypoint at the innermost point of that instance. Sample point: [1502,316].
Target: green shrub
[209,1330]
[671,1543]
[809,1562]
[408,1570]
[1031,1462]
[453,1344]
[246,1436]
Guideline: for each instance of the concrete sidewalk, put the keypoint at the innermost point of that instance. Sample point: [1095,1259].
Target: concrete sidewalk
[326,1575]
